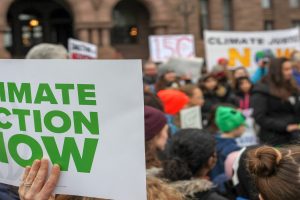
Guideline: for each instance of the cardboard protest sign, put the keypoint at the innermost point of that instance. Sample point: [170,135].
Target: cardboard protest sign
[191,117]
[164,47]
[70,112]
[249,138]
[241,47]
[82,50]
[188,67]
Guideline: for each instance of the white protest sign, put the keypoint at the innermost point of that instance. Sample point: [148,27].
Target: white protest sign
[240,48]
[164,47]
[82,50]
[64,110]
[188,67]
[191,117]
[249,138]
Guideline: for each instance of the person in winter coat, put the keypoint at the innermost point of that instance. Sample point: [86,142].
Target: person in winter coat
[156,135]
[262,59]
[191,155]
[237,73]
[167,80]
[195,95]
[276,105]
[243,90]
[231,125]
[296,62]
[173,102]
[214,93]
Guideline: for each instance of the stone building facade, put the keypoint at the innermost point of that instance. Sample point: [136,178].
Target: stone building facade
[120,28]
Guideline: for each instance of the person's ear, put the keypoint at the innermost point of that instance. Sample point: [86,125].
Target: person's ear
[212,161]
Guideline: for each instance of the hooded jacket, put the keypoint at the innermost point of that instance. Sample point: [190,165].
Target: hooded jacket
[194,189]
[274,114]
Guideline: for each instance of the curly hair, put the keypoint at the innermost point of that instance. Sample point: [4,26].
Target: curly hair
[189,152]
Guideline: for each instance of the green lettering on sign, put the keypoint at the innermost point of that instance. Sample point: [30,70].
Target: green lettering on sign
[92,125]
[48,120]
[36,150]
[3,155]
[65,91]
[21,116]
[6,125]
[24,91]
[83,163]
[85,93]
[48,97]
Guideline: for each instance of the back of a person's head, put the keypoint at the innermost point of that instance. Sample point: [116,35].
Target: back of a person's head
[157,189]
[153,101]
[189,151]
[228,119]
[173,100]
[47,51]
[188,89]
[276,172]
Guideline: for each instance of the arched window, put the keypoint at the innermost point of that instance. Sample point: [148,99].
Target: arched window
[266,4]
[294,3]
[130,18]
[204,16]
[35,21]
[227,10]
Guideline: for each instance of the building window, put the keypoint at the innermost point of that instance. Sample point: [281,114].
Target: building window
[294,3]
[269,25]
[130,18]
[266,4]
[227,10]
[204,17]
[8,38]
[296,23]
[31,30]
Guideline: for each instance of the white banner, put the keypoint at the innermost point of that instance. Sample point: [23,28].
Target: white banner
[240,48]
[63,110]
[82,50]
[164,47]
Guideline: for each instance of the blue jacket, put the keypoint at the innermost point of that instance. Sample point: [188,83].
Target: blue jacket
[259,74]
[297,77]
[225,146]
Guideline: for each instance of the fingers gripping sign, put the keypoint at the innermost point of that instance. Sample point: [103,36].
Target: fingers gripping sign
[35,183]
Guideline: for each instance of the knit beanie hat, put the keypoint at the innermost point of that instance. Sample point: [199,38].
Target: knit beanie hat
[228,119]
[155,120]
[173,100]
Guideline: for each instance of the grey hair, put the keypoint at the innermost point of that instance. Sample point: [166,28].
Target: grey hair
[47,51]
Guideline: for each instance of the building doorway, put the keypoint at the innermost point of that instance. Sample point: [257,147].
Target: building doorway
[129,35]
[36,21]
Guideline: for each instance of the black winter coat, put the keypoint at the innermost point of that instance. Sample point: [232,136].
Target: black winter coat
[274,114]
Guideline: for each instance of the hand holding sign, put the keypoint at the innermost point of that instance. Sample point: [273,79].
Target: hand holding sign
[35,185]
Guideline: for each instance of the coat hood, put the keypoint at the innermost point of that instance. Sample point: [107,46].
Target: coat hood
[192,187]
[186,187]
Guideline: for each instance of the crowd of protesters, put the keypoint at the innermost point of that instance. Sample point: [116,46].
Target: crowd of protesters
[208,163]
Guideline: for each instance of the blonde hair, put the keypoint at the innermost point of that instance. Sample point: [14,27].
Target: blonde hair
[157,189]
